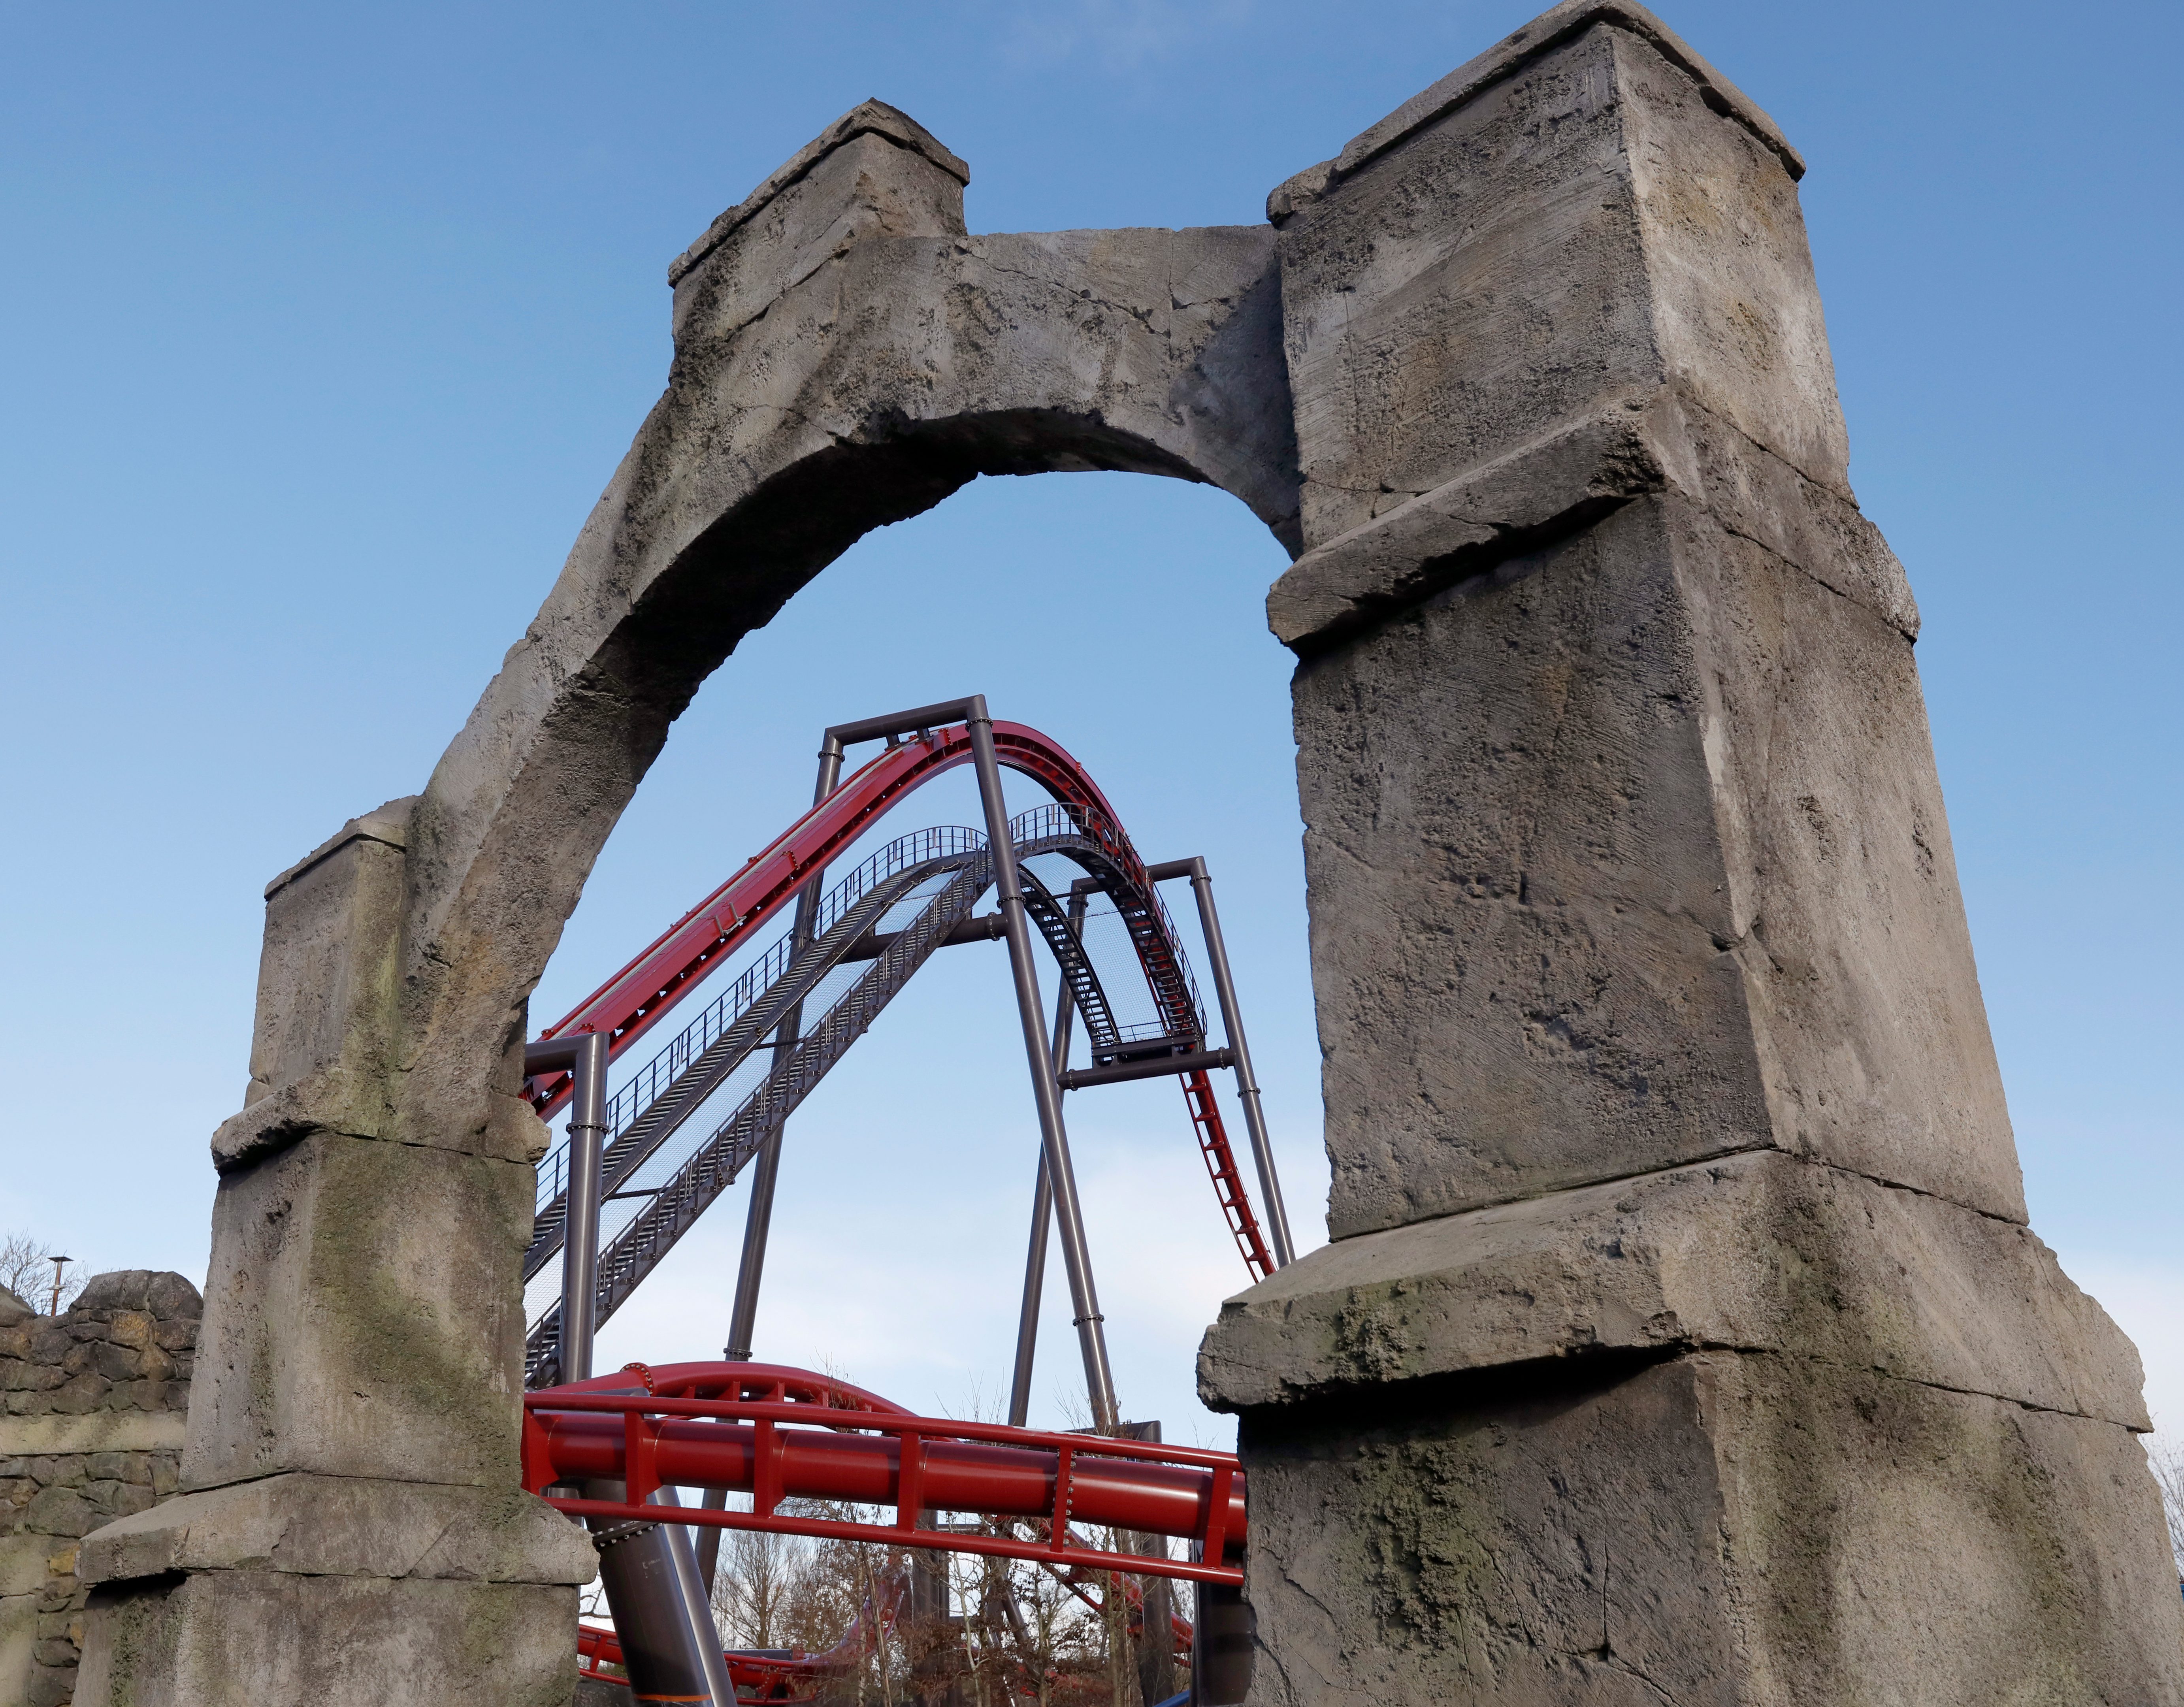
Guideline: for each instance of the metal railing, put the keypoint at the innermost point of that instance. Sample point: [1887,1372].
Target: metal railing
[675,1207]
[1076,831]
[914,1464]
[652,1081]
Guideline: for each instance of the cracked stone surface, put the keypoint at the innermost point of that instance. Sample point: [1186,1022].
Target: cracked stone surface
[1716,1528]
[1682,1339]
[262,1636]
[1628,853]
[1755,1253]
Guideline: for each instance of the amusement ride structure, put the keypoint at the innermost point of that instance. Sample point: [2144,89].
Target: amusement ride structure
[611,1450]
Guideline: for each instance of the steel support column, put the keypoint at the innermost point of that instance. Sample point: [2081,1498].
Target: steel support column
[1232,1022]
[584,1057]
[661,1604]
[1046,1092]
[1042,1202]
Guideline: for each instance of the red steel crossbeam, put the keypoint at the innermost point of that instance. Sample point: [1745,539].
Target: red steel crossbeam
[1228,1183]
[648,1441]
[634,999]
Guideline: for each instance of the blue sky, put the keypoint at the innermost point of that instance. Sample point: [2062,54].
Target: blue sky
[324,328]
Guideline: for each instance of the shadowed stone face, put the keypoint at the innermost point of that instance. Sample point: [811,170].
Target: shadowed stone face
[1682,1339]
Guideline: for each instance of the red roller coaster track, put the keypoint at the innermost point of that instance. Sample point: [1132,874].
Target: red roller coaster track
[781,1434]
[695,1428]
[611,1450]
[632,1000]
[637,997]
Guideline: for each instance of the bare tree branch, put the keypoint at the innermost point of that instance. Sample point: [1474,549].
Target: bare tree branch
[26,1270]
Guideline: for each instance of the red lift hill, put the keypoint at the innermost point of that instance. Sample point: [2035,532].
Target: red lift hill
[612,1450]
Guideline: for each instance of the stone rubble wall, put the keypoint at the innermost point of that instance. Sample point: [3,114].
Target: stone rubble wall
[94,1399]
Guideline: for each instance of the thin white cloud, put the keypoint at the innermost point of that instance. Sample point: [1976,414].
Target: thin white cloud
[1116,36]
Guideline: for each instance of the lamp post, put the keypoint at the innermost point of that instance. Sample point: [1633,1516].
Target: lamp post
[58,1262]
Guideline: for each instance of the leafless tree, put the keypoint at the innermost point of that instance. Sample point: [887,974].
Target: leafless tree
[2167,1458]
[1003,1633]
[759,1580]
[26,1270]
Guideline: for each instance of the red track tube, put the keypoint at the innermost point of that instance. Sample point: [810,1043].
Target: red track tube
[959,1475]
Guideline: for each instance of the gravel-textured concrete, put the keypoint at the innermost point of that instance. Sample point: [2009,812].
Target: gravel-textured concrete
[1719,1528]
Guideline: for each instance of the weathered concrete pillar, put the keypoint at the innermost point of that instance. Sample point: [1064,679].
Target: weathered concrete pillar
[1682,1338]
[350,1530]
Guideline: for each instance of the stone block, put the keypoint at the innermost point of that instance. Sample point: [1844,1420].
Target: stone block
[246,1638]
[18,1641]
[1755,1253]
[60,1511]
[1720,1528]
[1586,902]
[874,172]
[362,1317]
[1578,226]
[326,992]
[160,1296]
[1571,477]
[1415,352]
[338,1525]
[24,1558]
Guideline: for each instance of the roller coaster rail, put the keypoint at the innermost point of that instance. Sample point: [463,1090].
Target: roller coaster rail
[779,1450]
[613,1452]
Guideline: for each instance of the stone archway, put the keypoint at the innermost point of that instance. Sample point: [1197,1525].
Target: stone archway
[1666,1130]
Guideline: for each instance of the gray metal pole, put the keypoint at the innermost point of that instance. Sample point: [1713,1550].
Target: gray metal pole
[758,1223]
[580,1241]
[1247,1083]
[1042,1211]
[669,1644]
[765,1177]
[1042,1219]
[1046,1092]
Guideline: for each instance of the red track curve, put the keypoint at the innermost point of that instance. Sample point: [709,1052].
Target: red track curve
[691,1426]
[635,998]
[629,1004]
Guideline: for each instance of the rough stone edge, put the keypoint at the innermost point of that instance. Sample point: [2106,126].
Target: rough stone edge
[283,1119]
[58,1434]
[513,1536]
[131,1289]
[329,1103]
[1609,1289]
[1510,55]
[1546,490]
[389,824]
[868,118]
